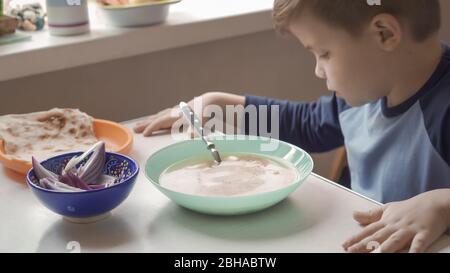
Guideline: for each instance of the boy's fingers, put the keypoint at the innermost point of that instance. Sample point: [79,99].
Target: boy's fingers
[397,241]
[367,231]
[145,121]
[372,242]
[142,125]
[160,123]
[421,242]
[368,217]
[139,128]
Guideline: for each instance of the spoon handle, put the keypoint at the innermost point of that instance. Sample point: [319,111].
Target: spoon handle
[195,122]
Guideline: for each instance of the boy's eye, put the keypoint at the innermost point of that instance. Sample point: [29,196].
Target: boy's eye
[325,56]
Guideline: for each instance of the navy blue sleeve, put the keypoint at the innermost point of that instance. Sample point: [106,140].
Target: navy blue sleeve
[312,126]
[435,105]
[446,138]
[446,145]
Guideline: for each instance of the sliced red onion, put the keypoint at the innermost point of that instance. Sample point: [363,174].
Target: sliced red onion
[74,161]
[93,174]
[87,177]
[104,181]
[67,180]
[40,171]
[52,184]
[92,169]
[76,181]
[43,183]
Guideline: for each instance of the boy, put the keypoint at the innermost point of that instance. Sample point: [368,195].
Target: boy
[390,77]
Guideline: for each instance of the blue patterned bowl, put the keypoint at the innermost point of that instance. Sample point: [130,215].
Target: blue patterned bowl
[87,206]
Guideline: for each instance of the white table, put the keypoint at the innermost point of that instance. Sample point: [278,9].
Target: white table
[315,218]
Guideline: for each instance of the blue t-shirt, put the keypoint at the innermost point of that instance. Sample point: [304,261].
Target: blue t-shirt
[393,153]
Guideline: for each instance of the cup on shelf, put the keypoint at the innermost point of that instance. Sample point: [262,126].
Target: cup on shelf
[67,17]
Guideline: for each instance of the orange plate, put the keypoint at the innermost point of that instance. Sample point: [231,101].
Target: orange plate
[117,138]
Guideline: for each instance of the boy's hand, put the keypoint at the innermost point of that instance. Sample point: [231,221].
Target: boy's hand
[166,118]
[415,224]
[160,121]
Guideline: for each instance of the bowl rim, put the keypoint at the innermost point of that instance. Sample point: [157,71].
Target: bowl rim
[138,5]
[225,198]
[22,166]
[136,172]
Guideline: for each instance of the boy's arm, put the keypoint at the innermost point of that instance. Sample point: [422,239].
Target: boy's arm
[312,126]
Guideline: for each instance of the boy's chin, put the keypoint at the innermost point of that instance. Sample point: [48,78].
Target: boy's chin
[351,101]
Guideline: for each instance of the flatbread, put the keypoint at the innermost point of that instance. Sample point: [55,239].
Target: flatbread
[46,134]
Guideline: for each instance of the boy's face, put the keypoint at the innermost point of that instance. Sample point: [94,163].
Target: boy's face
[354,67]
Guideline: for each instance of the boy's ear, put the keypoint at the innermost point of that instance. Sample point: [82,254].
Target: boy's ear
[387,31]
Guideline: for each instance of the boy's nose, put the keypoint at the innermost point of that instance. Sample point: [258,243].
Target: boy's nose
[320,73]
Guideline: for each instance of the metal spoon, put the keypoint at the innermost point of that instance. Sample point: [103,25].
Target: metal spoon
[195,122]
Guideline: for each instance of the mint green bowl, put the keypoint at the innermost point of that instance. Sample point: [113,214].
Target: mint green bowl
[227,145]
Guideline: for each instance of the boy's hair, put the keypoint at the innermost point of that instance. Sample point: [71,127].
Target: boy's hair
[422,17]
